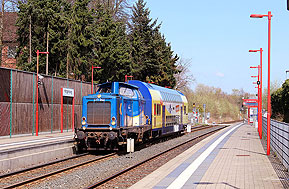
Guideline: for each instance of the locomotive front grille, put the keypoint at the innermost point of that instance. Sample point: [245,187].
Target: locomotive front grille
[98,113]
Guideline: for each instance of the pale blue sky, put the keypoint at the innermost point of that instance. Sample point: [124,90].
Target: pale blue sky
[216,36]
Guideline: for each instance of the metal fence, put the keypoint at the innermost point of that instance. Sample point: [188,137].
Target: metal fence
[18,102]
[279,139]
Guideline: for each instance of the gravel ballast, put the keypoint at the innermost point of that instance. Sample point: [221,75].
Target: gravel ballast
[89,174]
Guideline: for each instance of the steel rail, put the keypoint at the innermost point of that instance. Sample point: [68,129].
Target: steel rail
[40,166]
[103,181]
[57,172]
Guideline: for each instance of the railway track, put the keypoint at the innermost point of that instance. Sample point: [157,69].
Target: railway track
[104,183]
[14,176]
[33,178]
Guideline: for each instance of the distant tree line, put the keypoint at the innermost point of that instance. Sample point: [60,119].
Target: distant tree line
[280,103]
[83,33]
[222,106]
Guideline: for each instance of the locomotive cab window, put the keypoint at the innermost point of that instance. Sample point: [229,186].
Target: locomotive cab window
[126,92]
[104,88]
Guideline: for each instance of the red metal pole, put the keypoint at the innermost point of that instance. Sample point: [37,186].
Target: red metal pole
[269,96]
[91,79]
[37,68]
[248,116]
[61,124]
[125,80]
[37,86]
[261,83]
[259,114]
[128,76]
[73,114]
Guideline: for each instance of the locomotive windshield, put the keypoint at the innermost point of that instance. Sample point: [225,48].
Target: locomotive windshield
[126,92]
[106,88]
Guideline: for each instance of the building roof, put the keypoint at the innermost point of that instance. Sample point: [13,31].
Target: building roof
[9,27]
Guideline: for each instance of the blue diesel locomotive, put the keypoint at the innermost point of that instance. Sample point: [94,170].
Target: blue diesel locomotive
[138,110]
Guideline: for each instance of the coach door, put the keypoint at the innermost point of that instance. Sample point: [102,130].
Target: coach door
[128,112]
[181,115]
[164,117]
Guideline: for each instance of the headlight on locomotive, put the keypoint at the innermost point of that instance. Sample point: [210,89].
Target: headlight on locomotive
[83,121]
[113,121]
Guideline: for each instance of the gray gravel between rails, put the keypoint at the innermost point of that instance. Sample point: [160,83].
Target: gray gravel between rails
[43,170]
[87,175]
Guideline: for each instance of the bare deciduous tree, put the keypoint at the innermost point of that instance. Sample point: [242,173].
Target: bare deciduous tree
[184,78]
[119,9]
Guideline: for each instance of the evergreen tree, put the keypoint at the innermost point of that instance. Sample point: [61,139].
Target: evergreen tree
[45,17]
[118,9]
[80,42]
[167,60]
[58,35]
[112,50]
[277,104]
[25,14]
[153,59]
[280,103]
[80,37]
[145,64]
[285,100]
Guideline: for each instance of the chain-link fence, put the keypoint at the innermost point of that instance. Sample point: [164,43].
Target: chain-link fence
[18,102]
[279,139]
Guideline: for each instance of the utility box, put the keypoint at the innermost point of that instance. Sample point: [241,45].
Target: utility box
[130,145]
[189,128]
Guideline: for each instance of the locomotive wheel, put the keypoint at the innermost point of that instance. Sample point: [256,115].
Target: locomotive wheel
[80,147]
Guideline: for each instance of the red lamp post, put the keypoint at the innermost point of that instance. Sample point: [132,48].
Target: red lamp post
[127,76]
[93,67]
[260,83]
[37,70]
[269,96]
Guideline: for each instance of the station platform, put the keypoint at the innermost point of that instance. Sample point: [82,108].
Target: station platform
[24,140]
[21,152]
[231,158]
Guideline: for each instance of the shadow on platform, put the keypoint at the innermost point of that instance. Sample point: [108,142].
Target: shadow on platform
[225,183]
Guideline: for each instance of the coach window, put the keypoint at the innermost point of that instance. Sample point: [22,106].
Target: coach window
[185,110]
[158,109]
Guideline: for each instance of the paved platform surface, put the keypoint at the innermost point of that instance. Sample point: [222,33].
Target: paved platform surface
[231,158]
[19,141]
[20,152]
